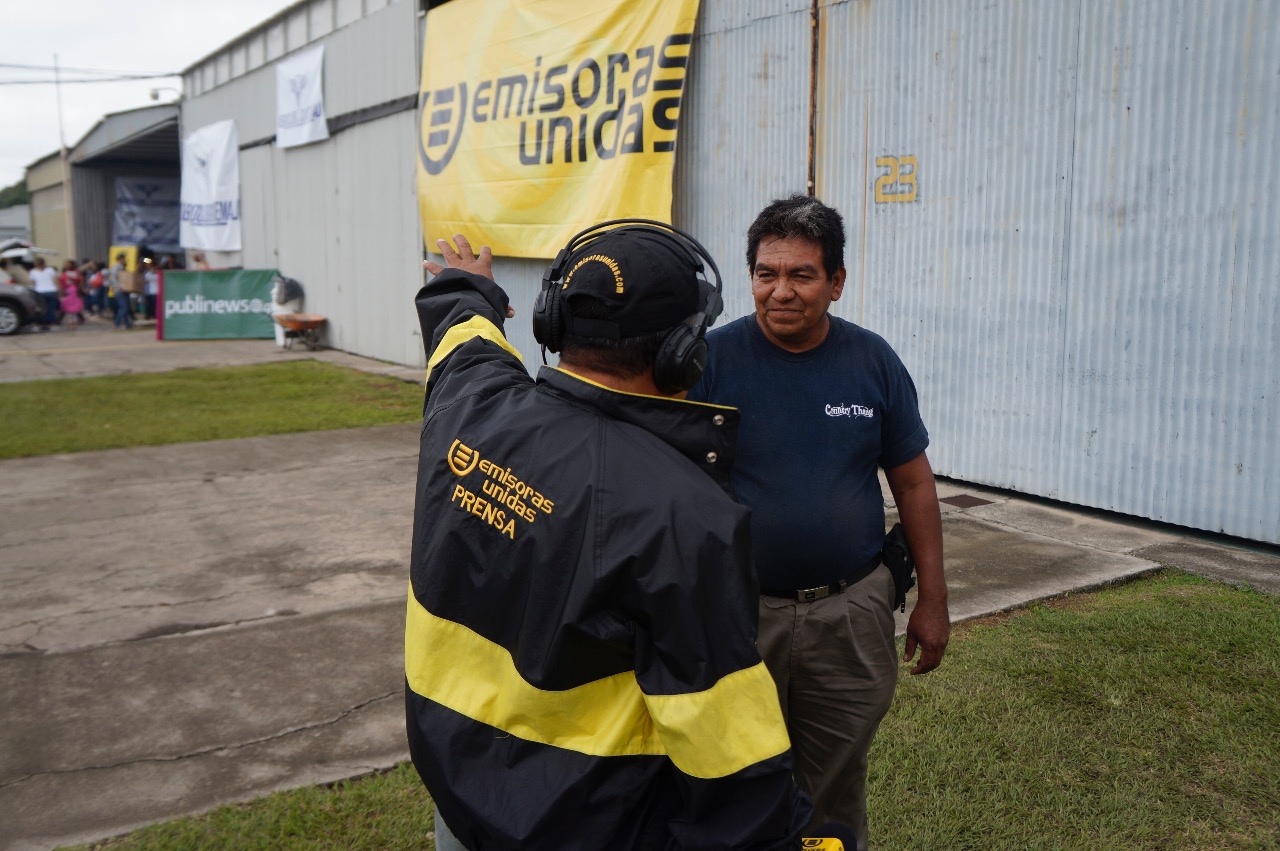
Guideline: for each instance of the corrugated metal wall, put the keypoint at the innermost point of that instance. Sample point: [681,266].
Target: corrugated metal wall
[375,205]
[93,206]
[744,127]
[960,265]
[1171,406]
[341,216]
[1083,283]
[49,223]
[48,207]
[344,223]
[1061,214]
[94,190]
[369,61]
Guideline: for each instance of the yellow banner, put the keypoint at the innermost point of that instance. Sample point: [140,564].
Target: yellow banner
[538,118]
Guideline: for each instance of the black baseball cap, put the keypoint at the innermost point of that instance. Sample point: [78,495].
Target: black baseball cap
[646,280]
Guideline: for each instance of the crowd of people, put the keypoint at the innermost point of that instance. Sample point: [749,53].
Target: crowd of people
[93,288]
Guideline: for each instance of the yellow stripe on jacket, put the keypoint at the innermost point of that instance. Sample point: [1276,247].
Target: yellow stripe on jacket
[707,734]
[476,326]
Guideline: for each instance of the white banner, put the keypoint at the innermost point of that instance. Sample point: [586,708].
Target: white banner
[300,100]
[211,188]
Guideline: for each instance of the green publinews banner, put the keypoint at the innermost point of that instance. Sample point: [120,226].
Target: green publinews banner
[221,305]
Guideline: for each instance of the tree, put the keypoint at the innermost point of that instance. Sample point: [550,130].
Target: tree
[12,196]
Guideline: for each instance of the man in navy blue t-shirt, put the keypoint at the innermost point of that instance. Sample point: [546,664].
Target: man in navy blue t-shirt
[825,404]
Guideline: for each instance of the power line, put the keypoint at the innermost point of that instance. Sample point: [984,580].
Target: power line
[65,82]
[58,68]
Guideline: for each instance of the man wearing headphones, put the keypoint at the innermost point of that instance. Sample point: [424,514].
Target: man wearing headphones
[580,659]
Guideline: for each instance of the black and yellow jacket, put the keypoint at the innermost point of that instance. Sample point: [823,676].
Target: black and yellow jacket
[580,643]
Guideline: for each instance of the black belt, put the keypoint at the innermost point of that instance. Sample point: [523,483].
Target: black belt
[808,595]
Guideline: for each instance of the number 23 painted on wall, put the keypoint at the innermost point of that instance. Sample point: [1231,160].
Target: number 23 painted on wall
[898,182]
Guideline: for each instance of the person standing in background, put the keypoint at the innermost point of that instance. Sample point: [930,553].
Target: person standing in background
[152,287]
[97,287]
[124,316]
[45,282]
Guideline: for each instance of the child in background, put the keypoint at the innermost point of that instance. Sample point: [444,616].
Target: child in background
[73,303]
[70,276]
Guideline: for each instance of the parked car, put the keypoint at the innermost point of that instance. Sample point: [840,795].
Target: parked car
[20,249]
[19,306]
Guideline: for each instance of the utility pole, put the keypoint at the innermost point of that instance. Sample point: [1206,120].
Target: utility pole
[66,169]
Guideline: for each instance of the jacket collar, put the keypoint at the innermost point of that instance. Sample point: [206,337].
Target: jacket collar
[706,434]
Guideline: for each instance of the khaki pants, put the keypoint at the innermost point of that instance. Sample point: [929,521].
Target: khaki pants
[836,666]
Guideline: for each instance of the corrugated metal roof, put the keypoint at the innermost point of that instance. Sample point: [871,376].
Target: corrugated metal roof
[148,133]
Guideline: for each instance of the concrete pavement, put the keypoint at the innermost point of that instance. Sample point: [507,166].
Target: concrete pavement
[197,624]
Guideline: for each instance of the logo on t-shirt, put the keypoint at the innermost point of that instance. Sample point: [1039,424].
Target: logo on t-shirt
[850,411]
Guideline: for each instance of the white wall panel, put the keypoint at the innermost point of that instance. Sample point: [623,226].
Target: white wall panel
[352,240]
[1084,285]
[372,61]
[320,18]
[248,100]
[958,266]
[377,253]
[295,30]
[348,11]
[276,43]
[744,127]
[256,46]
[258,210]
[1171,407]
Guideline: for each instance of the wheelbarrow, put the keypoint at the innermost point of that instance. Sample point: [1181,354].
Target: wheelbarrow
[300,326]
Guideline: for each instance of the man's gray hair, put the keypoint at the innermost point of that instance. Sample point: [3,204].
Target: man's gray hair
[800,216]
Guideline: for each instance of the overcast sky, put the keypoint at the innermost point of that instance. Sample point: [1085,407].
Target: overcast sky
[130,36]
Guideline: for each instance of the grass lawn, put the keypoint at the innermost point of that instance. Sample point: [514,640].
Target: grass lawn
[1145,716]
[109,412]
[376,813]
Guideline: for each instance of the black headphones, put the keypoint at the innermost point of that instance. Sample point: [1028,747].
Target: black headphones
[683,354]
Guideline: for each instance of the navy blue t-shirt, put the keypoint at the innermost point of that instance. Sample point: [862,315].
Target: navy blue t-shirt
[815,427]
